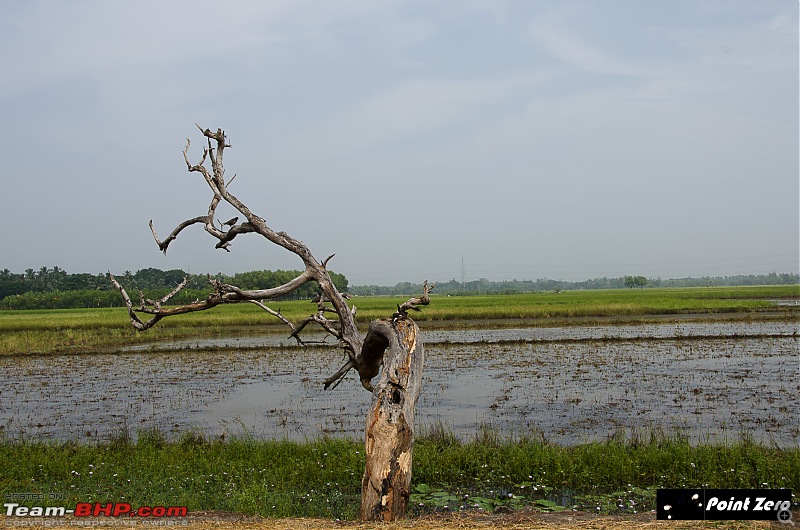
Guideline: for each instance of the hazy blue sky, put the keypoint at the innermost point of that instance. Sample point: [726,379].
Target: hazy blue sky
[558,139]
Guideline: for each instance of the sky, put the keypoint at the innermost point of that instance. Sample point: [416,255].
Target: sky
[497,139]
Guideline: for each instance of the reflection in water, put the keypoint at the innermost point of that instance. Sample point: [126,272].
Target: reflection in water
[571,384]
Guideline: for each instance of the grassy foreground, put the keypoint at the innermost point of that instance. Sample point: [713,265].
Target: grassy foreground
[81,330]
[322,478]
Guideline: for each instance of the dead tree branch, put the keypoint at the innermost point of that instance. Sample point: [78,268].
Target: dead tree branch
[413,303]
[276,314]
[222,294]
[365,360]
[389,343]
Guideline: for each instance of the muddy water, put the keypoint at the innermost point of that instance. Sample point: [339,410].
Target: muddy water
[571,333]
[710,381]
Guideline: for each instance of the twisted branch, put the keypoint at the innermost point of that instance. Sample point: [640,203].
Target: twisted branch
[412,303]
[222,294]
[363,354]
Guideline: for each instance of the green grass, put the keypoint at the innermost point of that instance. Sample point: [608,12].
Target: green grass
[45,331]
[321,478]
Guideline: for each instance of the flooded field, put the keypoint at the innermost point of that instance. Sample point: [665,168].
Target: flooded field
[711,381]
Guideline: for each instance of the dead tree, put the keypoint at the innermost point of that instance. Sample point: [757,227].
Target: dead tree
[393,343]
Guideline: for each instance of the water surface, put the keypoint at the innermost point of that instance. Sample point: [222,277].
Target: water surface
[710,380]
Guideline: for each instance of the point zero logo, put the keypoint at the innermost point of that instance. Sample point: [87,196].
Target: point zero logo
[724,504]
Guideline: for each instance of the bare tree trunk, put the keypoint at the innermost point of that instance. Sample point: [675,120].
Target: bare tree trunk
[386,486]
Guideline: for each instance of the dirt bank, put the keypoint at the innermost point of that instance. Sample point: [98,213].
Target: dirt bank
[515,521]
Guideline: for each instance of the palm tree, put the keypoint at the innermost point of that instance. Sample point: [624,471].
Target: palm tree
[42,278]
[30,278]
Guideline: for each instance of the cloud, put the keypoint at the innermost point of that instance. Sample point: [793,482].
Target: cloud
[563,126]
[567,47]
[411,110]
[577,35]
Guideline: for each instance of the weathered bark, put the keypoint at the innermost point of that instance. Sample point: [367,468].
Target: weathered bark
[386,486]
[390,425]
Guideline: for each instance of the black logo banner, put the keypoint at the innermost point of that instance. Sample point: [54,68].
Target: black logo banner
[724,504]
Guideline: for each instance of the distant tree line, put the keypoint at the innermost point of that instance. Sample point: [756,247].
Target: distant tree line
[484,286]
[54,288]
